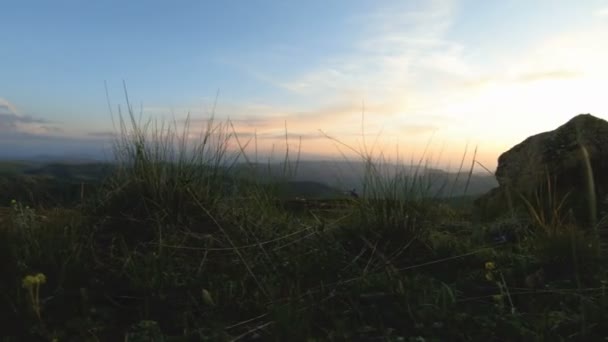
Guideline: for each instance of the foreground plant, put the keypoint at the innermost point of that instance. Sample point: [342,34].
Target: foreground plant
[32,284]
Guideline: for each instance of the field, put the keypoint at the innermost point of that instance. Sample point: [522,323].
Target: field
[186,251]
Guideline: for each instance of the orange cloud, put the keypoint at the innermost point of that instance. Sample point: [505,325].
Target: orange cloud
[548,75]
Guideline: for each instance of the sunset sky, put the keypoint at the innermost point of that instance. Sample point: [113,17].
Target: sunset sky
[448,72]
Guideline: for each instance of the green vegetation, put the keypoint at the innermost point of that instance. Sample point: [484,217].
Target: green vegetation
[187,251]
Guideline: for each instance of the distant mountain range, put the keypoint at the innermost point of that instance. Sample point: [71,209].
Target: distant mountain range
[347,175]
[310,179]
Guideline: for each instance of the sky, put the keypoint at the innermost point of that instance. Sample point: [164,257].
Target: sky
[401,78]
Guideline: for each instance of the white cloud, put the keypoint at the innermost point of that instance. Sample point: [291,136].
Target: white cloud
[398,40]
[13,122]
[8,108]
[602,12]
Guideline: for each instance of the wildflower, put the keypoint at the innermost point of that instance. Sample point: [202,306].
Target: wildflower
[31,280]
[40,278]
[28,281]
[489,276]
[490,265]
[32,284]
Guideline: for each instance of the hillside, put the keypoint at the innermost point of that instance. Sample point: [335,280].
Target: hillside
[311,179]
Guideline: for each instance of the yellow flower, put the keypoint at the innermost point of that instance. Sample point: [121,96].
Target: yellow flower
[28,281]
[32,284]
[489,276]
[31,280]
[40,278]
[490,266]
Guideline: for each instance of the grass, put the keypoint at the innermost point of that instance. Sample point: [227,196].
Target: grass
[174,247]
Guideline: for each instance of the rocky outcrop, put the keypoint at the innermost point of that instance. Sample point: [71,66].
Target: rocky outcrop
[561,156]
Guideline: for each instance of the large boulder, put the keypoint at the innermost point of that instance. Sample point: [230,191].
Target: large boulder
[560,156]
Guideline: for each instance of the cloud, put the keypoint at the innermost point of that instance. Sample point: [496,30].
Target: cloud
[418,129]
[344,118]
[290,136]
[27,124]
[402,52]
[380,75]
[384,61]
[7,108]
[548,75]
[275,117]
[104,135]
[524,77]
[52,129]
[11,120]
[23,119]
[602,12]
[13,123]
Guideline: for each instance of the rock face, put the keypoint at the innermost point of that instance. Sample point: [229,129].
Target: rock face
[558,154]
